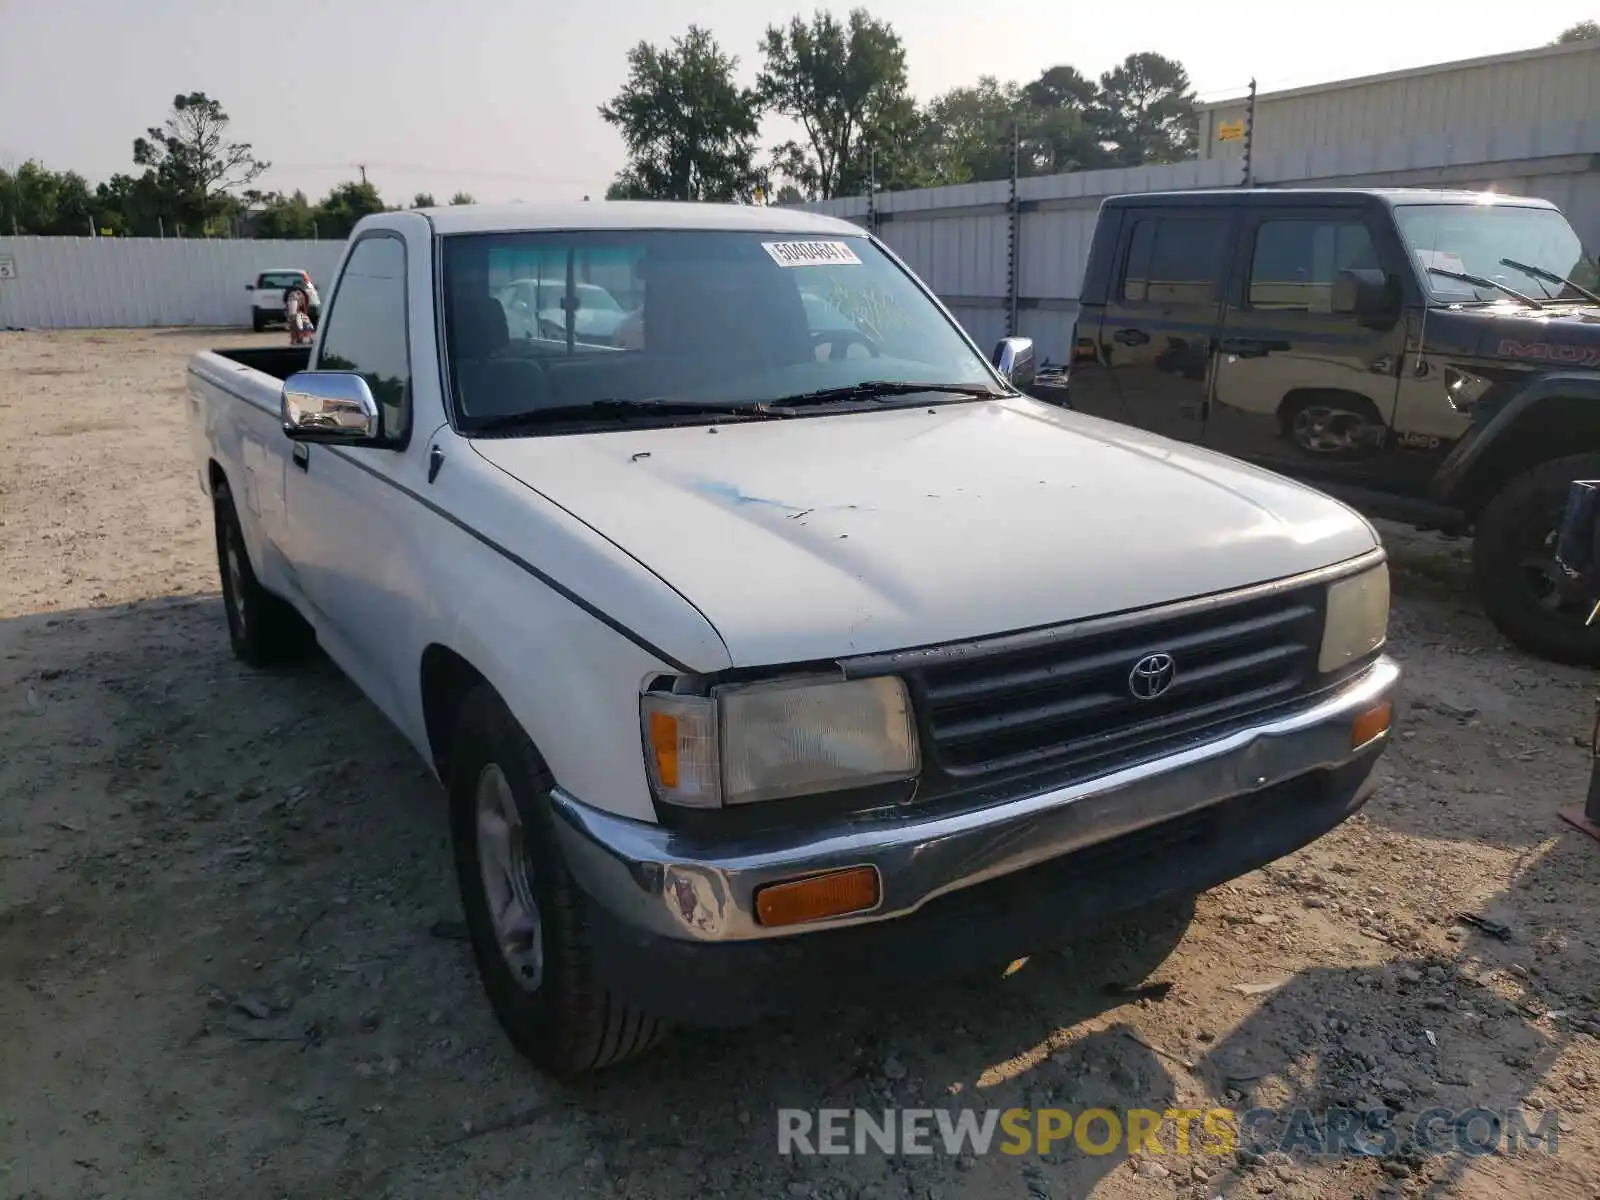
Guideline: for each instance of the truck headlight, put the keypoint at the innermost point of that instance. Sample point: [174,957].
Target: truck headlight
[1358,618]
[767,741]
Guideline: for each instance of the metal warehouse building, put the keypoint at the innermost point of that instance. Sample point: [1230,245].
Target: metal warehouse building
[1549,85]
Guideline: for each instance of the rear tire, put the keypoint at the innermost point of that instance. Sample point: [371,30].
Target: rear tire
[264,630]
[1332,427]
[535,959]
[1513,562]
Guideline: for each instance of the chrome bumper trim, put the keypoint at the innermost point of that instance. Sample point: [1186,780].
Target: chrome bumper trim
[671,884]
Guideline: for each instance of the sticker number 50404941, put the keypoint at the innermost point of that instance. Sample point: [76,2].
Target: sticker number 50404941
[811,254]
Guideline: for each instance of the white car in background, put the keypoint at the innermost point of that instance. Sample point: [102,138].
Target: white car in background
[266,296]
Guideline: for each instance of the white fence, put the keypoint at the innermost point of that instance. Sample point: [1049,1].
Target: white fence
[65,283]
[959,239]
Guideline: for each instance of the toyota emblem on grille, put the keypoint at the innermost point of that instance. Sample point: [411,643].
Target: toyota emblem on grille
[1151,676]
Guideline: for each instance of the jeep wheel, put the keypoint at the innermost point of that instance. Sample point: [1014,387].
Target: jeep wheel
[1332,426]
[263,629]
[1514,563]
[258,322]
[527,918]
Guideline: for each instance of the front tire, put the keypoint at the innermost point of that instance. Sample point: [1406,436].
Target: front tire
[527,918]
[257,321]
[1513,563]
[264,630]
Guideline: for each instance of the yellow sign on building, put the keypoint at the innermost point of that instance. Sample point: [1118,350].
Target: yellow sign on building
[1230,131]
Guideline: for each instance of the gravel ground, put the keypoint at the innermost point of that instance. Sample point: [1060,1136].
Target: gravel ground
[231,960]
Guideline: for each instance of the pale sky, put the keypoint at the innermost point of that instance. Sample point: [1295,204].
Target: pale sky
[498,97]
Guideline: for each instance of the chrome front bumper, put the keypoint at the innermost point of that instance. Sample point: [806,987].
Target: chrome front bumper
[674,885]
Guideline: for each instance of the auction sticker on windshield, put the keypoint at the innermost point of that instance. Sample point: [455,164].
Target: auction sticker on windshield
[811,254]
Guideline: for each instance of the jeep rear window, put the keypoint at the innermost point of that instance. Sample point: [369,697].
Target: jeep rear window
[1174,260]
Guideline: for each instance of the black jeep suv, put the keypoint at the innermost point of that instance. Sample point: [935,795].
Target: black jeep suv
[1429,356]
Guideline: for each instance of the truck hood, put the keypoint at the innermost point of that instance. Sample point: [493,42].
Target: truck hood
[1562,336]
[821,537]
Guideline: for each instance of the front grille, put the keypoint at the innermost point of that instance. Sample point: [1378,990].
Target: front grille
[1063,702]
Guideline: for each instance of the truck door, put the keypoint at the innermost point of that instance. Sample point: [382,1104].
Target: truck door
[350,522]
[1159,330]
[1298,385]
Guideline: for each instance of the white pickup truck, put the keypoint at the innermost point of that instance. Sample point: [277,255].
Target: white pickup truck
[764,653]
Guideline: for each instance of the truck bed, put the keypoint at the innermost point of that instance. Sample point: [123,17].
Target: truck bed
[280,362]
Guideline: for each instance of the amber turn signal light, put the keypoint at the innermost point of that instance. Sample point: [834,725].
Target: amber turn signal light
[1371,724]
[835,894]
[664,742]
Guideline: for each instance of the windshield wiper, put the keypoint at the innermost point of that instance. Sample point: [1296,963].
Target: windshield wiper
[882,389]
[1485,282]
[1541,273]
[767,410]
[614,408]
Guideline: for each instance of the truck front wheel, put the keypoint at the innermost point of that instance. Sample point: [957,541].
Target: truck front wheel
[1513,562]
[527,918]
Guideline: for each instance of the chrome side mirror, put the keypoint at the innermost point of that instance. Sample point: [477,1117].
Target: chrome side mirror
[1013,358]
[330,406]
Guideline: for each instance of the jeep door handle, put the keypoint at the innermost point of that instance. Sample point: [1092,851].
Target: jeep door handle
[301,454]
[1130,337]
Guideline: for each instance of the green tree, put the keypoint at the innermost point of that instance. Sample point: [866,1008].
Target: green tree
[689,128]
[842,82]
[627,186]
[36,200]
[346,204]
[1583,31]
[904,150]
[973,126]
[195,162]
[462,198]
[422,200]
[1061,87]
[136,206]
[280,216]
[1145,111]
[1062,136]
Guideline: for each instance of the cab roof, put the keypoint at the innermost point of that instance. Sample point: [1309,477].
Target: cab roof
[631,214]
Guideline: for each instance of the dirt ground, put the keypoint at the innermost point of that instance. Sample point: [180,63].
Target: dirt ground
[231,961]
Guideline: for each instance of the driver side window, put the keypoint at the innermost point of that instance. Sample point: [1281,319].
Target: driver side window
[365,331]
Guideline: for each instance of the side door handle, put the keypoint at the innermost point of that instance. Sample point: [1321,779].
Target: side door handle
[1130,337]
[301,454]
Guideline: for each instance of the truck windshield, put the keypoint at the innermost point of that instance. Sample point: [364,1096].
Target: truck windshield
[561,320]
[1475,239]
